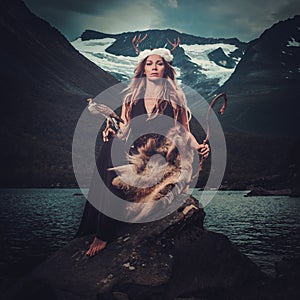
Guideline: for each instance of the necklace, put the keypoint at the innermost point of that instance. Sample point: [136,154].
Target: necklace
[149,104]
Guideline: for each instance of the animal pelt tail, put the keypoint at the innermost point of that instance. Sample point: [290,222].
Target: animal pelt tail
[160,168]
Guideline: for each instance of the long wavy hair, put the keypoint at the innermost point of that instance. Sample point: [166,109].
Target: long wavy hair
[170,91]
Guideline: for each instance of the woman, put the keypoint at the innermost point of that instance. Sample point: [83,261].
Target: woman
[153,92]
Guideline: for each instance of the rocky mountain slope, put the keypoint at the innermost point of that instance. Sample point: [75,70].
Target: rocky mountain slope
[44,82]
[264,89]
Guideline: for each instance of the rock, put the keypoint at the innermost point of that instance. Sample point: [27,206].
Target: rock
[284,286]
[174,257]
[259,191]
[219,57]
[78,194]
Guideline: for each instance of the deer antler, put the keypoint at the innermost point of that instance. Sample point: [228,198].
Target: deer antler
[136,41]
[175,44]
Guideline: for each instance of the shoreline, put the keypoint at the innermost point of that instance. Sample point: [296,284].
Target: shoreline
[251,191]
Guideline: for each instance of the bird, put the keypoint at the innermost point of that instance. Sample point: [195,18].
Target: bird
[107,112]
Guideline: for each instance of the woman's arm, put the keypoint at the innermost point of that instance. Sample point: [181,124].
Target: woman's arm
[202,149]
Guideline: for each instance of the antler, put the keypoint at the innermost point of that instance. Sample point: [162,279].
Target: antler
[175,44]
[136,41]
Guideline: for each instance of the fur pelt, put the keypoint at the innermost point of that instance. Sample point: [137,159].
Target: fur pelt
[160,168]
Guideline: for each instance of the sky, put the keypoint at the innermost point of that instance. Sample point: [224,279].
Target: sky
[245,20]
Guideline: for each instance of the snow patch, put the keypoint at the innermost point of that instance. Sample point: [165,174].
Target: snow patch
[293,43]
[198,55]
[123,66]
[94,50]
[93,46]
[223,62]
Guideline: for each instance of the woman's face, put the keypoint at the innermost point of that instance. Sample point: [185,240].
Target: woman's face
[154,67]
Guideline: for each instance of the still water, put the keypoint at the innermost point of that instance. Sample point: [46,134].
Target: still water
[37,222]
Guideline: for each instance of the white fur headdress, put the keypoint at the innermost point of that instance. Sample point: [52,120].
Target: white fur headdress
[163,52]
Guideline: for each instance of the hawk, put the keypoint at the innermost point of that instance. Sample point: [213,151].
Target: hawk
[107,112]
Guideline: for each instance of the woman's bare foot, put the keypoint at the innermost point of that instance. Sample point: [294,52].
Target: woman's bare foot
[96,246]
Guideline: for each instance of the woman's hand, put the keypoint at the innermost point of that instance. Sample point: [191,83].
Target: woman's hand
[106,132]
[203,150]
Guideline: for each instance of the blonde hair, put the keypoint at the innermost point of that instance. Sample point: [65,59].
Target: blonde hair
[170,92]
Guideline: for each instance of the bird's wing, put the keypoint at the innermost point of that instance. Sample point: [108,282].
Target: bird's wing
[103,109]
[92,109]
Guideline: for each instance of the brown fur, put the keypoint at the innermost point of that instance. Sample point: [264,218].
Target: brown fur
[156,157]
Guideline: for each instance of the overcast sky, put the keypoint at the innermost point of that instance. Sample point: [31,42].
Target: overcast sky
[243,19]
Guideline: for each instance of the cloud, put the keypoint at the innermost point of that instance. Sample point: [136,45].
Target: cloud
[87,6]
[287,10]
[114,16]
[173,3]
[127,16]
[245,20]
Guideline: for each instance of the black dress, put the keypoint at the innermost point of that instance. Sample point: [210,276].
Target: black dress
[93,221]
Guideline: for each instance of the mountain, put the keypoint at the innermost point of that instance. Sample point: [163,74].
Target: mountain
[264,89]
[44,82]
[201,63]
[264,110]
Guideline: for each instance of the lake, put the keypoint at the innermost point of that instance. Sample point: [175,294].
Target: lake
[37,222]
